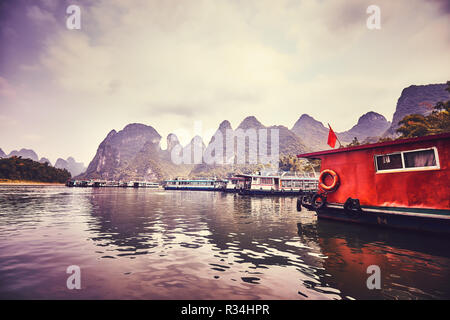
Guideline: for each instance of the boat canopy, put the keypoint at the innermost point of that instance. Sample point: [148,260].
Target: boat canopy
[282,175]
[194,180]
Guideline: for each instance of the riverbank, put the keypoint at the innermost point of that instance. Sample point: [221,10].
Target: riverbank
[6,182]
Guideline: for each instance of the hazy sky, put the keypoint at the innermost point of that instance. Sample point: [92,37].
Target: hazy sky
[170,63]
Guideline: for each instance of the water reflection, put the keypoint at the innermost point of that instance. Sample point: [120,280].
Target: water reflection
[200,245]
[413,266]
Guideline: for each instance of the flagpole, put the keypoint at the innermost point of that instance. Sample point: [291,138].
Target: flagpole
[340,145]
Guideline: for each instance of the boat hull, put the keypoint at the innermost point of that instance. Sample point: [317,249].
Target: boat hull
[413,219]
[277,193]
[231,190]
[192,188]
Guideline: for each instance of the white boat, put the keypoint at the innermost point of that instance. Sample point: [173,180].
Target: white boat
[195,184]
[234,184]
[284,183]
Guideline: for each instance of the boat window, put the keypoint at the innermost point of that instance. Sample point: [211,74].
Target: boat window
[389,162]
[408,160]
[424,158]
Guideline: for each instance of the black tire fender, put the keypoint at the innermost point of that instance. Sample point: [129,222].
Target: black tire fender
[320,205]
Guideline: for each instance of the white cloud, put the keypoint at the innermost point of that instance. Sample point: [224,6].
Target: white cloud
[39,15]
[169,63]
[6,89]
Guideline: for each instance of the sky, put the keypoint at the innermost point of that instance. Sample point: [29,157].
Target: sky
[176,65]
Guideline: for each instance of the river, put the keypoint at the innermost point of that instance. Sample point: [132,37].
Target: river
[155,244]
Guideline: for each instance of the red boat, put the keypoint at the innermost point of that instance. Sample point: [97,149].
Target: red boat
[402,183]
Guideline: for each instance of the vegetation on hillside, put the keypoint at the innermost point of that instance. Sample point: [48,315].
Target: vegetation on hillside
[354,143]
[294,164]
[16,168]
[288,163]
[417,125]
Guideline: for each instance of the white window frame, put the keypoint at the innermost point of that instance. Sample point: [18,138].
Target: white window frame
[436,156]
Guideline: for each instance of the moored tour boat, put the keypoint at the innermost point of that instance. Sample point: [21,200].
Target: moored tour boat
[234,184]
[402,183]
[194,184]
[278,184]
[143,184]
[105,183]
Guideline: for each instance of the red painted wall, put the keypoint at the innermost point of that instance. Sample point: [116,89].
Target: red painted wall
[421,189]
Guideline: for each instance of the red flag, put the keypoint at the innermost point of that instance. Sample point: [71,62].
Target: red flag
[331,138]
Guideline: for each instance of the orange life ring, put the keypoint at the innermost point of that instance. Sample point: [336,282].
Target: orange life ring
[335,183]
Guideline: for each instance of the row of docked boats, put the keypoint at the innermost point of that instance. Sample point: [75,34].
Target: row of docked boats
[105,183]
[251,184]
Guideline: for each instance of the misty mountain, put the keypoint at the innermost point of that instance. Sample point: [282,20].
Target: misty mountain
[315,134]
[45,160]
[2,154]
[289,144]
[172,141]
[250,122]
[75,168]
[371,124]
[210,151]
[417,99]
[24,153]
[133,153]
[118,149]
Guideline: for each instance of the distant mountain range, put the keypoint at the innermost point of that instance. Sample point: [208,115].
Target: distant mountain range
[75,168]
[134,153]
[315,134]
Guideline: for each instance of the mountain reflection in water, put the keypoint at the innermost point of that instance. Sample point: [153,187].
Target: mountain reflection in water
[149,244]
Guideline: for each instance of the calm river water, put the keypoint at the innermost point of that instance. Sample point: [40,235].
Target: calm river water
[153,244]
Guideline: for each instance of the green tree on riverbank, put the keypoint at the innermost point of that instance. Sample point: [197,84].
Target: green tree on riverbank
[16,168]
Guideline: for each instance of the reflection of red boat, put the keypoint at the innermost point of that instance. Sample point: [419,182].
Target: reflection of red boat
[402,183]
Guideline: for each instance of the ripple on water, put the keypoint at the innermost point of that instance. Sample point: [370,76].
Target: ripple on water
[201,245]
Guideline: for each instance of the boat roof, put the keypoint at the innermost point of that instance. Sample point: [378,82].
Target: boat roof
[275,176]
[192,180]
[317,154]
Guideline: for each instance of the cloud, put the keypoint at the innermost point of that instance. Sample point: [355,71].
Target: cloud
[169,63]
[6,89]
[32,137]
[50,4]
[39,15]
[444,5]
